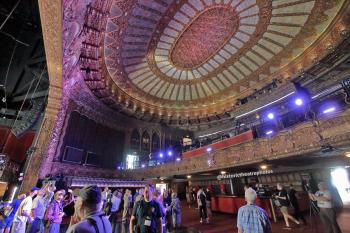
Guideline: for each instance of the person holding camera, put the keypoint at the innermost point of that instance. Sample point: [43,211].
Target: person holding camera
[282,201]
[327,212]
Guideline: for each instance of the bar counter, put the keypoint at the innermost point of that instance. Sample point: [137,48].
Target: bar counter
[231,204]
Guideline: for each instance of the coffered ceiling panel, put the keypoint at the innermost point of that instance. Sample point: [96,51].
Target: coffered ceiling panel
[197,57]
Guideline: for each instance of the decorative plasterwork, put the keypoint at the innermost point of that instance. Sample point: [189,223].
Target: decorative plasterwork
[138,66]
[333,132]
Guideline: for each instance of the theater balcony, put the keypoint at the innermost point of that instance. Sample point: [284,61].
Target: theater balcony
[325,138]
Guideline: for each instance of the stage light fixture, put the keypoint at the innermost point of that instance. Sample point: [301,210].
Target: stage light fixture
[271,116]
[329,110]
[170,153]
[299,102]
[209,149]
[160,155]
[143,165]
[189,177]
[178,159]
[263,166]
[223,172]
[269,132]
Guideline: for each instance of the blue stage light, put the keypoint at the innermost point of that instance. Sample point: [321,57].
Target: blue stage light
[270,116]
[299,102]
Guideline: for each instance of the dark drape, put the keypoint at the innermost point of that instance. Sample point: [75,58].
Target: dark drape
[87,142]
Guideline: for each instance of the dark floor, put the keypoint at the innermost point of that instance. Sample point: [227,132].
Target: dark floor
[225,223]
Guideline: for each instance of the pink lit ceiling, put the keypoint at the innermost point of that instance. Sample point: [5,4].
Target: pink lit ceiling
[193,58]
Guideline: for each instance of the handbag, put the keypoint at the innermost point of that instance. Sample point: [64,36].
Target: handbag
[277,203]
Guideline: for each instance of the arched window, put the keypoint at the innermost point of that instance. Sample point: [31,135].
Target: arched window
[135,140]
[145,142]
[155,142]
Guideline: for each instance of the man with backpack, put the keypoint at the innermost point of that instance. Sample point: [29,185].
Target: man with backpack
[146,216]
[88,217]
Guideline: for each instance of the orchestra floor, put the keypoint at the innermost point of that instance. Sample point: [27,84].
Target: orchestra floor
[224,223]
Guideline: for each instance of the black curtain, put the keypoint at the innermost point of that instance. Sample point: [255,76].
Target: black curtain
[101,146]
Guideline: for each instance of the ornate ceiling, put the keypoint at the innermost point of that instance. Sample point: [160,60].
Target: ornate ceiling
[192,59]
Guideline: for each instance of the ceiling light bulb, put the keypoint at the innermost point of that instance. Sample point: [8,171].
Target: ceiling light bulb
[263,167]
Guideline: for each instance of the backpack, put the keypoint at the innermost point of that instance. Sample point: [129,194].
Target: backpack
[107,209]
[93,222]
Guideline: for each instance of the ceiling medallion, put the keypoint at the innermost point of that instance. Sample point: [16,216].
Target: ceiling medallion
[204,36]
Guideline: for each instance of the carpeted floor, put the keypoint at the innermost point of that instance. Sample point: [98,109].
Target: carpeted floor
[225,223]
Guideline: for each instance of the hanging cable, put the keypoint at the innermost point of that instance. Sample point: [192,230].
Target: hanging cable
[9,15]
[6,76]
[37,84]
[25,98]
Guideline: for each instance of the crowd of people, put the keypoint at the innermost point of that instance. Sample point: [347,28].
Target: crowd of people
[149,210]
[92,210]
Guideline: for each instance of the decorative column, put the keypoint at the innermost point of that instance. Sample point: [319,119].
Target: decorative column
[51,20]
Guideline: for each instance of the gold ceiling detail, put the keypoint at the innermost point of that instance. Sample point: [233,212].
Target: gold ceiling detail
[176,59]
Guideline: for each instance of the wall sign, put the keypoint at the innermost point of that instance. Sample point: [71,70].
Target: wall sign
[244,174]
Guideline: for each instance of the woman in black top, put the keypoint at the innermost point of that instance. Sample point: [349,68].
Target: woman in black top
[283,199]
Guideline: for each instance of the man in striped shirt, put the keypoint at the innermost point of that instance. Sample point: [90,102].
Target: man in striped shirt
[251,218]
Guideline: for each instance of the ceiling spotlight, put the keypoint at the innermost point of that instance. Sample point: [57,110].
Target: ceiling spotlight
[298,102]
[209,149]
[161,155]
[263,166]
[189,177]
[178,159]
[170,153]
[223,172]
[347,154]
[329,110]
[270,116]
[269,132]
[143,165]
